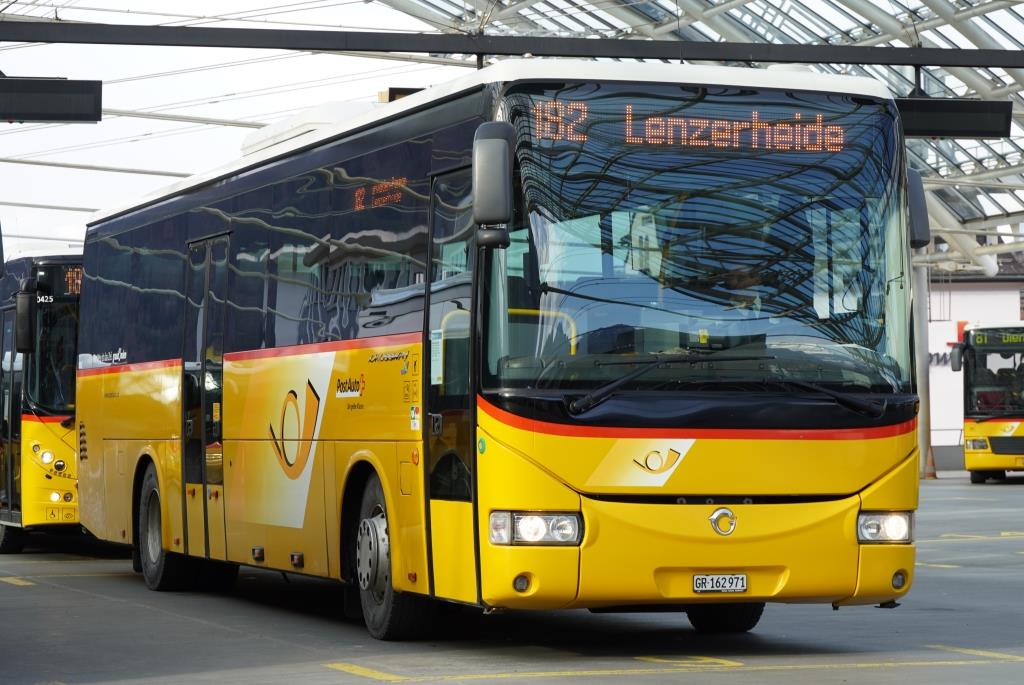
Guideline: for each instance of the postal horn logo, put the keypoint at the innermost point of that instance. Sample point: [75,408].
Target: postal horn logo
[655,462]
[293,440]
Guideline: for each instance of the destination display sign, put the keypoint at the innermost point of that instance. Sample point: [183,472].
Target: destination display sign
[570,120]
[998,337]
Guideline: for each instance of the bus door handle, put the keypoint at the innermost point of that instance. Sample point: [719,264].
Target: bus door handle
[436,424]
[188,426]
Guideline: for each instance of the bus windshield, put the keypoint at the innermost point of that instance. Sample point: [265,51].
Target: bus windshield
[676,219]
[50,369]
[994,373]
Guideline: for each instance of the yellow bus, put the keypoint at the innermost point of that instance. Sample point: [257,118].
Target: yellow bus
[38,443]
[557,334]
[991,356]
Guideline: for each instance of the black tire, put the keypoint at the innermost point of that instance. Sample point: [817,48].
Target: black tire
[725,618]
[12,539]
[161,569]
[979,477]
[388,615]
[998,475]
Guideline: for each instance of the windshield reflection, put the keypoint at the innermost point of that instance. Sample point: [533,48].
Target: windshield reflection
[625,249]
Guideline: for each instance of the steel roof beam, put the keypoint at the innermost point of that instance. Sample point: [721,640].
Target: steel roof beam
[365,41]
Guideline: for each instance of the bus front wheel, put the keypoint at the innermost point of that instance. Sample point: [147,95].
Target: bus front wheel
[161,569]
[725,618]
[389,615]
[12,539]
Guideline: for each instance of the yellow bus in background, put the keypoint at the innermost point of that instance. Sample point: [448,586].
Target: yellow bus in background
[991,356]
[38,442]
[557,334]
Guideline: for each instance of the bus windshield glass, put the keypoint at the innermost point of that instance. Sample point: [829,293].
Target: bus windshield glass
[994,372]
[684,220]
[50,369]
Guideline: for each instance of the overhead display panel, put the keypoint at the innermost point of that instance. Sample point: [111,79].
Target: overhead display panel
[50,100]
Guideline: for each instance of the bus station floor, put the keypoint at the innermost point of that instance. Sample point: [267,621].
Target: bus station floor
[71,611]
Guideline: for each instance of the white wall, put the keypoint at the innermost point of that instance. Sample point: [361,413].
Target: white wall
[951,303]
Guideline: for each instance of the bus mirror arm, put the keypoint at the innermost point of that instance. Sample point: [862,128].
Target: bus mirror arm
[920,232]
[956,357]
[492,182]
[25,317]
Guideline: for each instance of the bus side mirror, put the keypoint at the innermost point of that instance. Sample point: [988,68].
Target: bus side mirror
[25,318]
[956,357]
[920,233]
[492,182]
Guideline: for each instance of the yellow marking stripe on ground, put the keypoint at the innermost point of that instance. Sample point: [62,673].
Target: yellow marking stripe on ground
[979,652]
[963,537]
[695,668]
[111,574]
[927,565]
[691,660]
[14,580]
[367,672]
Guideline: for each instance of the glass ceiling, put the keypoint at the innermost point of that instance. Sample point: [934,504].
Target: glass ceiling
[978,180]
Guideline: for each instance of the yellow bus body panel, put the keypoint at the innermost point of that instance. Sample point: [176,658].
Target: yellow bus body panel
[987,460]
[39,481]
[639,551]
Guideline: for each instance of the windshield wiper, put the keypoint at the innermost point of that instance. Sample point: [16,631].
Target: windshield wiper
[869,408]
[603,392]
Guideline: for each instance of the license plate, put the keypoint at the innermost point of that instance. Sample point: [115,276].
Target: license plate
[720,582]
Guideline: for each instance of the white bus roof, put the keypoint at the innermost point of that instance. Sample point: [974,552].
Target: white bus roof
[529,70]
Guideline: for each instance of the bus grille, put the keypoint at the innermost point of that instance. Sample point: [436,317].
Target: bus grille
[1007,445]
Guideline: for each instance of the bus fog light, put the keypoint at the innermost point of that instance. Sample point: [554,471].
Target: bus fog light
[54,496]
[501,527]
[899,579]
[46,456]
[521,583]
[68,497]
[894,526]
[59,465]
[977,444]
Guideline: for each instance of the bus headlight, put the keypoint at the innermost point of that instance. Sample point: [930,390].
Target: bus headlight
[977,444]
[46,456]
[529,528]
[54,496]
[895,526]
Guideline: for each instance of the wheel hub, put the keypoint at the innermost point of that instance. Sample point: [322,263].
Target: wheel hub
[373,554]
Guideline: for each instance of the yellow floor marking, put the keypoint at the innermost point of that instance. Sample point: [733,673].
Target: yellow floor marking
[921,563]
[695,668]
[961,537]
[979,652]
[84,575]
[367,672]
[691,660]
[14,580]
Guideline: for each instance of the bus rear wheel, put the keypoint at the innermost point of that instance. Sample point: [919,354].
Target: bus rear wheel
[725,618]
[389,615]
[12,539]
[161,569]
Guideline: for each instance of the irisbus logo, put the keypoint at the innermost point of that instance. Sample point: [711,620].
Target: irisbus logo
[293,441]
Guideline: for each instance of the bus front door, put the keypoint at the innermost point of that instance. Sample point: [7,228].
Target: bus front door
[451,459]
[10,426]
[202,378]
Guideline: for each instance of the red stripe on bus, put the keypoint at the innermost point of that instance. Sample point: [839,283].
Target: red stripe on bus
[43,419]
[546,427]
[334,346]
[122,368]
